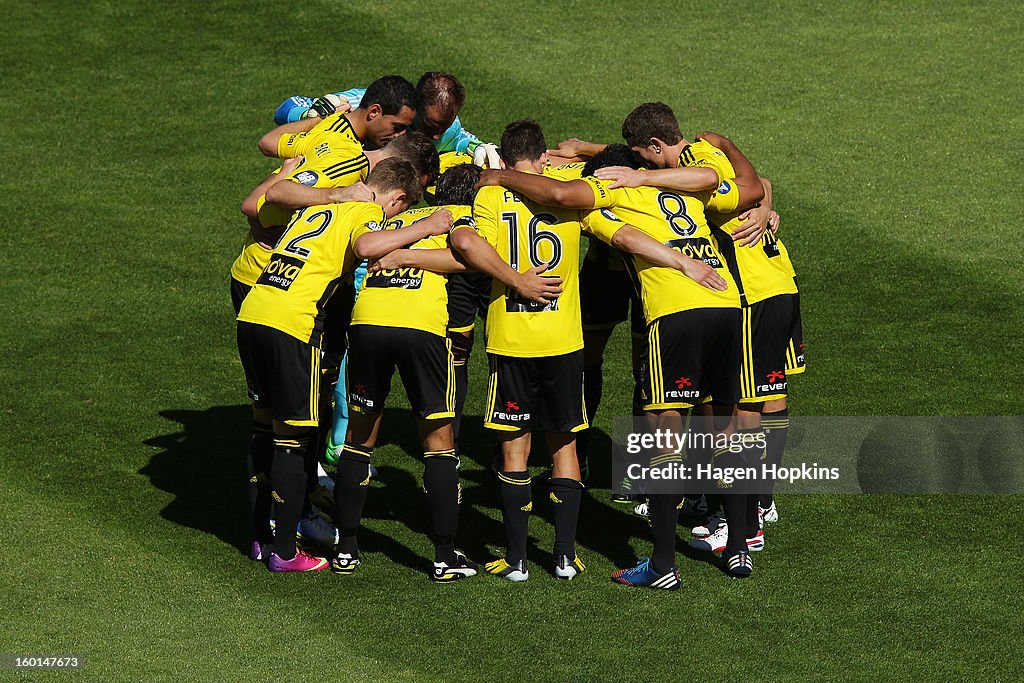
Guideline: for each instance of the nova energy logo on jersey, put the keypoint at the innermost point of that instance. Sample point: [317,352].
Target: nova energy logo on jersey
[402,278]
[517,304]
[697,248]
[281,271]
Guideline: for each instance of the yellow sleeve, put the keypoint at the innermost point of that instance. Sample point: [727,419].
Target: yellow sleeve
[725,199]
[704,154]
[292,145]
[368,218]
[338,169]
[603,195]
[602,223]
[485,216]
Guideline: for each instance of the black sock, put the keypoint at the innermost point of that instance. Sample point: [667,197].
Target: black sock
[776,431]
[734,499]
[288,481]
[565,496]
[516,505]
[753,456]
[664,511]
[261,454]
[441,481]
[352,480]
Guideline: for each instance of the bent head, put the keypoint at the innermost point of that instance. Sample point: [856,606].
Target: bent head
[612,155]
[523,143]
[395,185]
[457,185]
[418,150]
[650,130]
[389,108]
[441,97]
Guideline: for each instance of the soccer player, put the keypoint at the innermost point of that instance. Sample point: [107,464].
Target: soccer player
[441,98]
[772,336]
[270,205]
[693,333]
[280,328]
[469,296]
[334,157]
[535,350]
[400,320]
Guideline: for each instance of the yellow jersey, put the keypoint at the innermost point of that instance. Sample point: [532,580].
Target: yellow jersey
[251,261]
[526,234]
[571,171]
[765,269]
[309,261]
[332,157]
[410,298]
[677,220]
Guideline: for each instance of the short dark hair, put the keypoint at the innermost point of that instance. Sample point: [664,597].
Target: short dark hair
[436,88]
[612,155]
[522,141]
[392,93]
[651,120]
[457,185]
[419,150]
[395,173]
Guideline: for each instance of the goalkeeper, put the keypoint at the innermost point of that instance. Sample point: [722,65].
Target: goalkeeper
[441,98]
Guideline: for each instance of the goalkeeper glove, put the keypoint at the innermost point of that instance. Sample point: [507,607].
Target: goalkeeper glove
[326,105]
[486,156]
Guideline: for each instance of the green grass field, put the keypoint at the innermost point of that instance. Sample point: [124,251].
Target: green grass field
[893,138]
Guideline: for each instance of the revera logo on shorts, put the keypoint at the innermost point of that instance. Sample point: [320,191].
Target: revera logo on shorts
[683,389]
[358,395]
[511,413]
[774,383]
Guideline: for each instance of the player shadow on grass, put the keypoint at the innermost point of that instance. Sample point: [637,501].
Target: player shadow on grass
[398,494]
[202,463]
[604,528]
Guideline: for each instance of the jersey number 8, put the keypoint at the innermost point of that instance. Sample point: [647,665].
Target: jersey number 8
[674,209]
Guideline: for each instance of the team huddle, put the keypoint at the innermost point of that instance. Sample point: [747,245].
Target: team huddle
[343,279]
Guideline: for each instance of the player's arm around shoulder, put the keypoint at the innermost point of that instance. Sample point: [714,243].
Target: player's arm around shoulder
[683,178]
[751,190]
[372,242]
[476,245]
[605,225]
[567,194]
[270,144]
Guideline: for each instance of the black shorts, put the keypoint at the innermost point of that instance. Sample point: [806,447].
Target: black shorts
[283,373]
[767,343]
[469,294]
[424,363]
[607,296]
[548,389]
[238,293]
[795,361]
[692,357]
